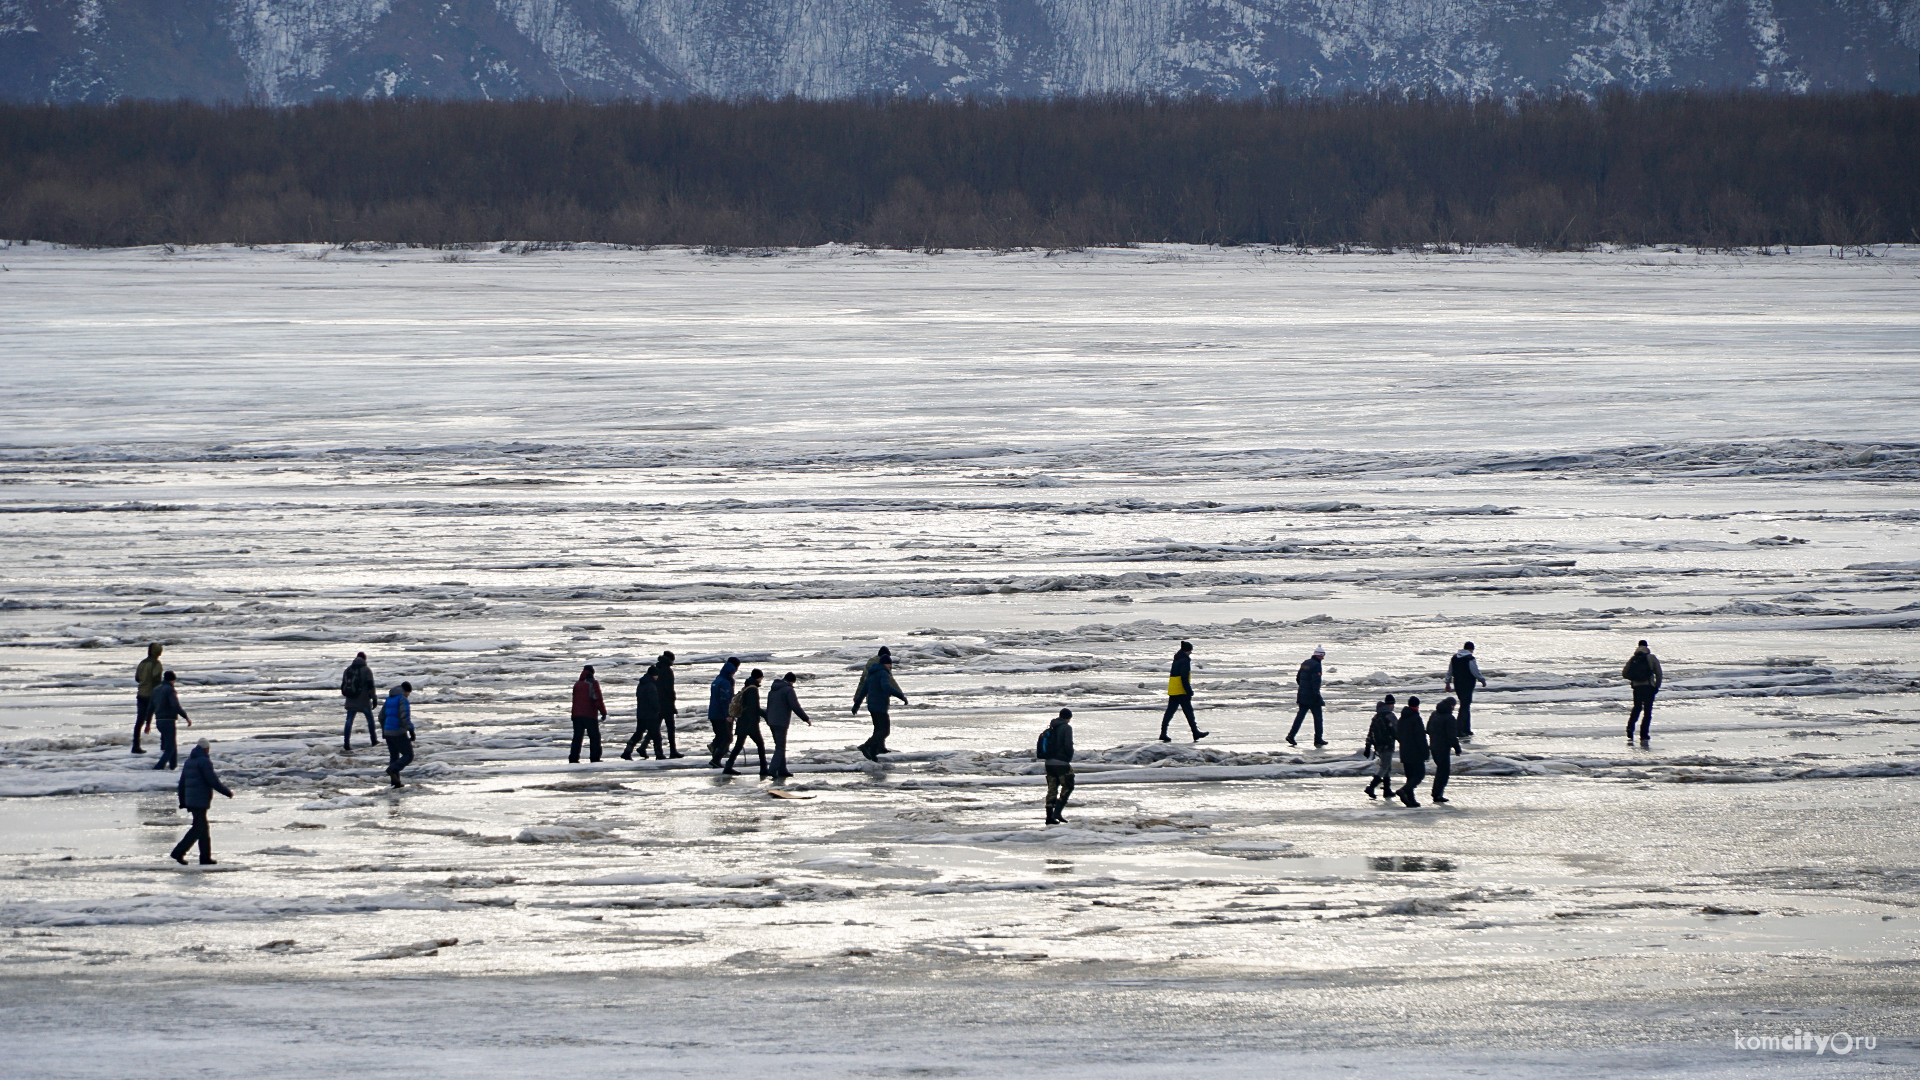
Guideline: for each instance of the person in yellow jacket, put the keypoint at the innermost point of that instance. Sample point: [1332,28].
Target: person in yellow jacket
[1180,692]
[148,676]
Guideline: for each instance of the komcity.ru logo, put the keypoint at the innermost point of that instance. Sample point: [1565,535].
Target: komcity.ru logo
[1801,1042]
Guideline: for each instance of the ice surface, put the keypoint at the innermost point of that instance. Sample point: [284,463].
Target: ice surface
[1030,474]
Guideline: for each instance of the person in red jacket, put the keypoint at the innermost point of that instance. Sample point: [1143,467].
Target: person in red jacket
[589,708]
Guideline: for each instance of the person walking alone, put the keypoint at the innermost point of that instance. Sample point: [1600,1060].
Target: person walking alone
[1306,695]
[1644,675]
[719,701]
[396,722]
[746,713]
[589,708]
[1056,749]
[146,677]
[877,689]
[646,715]
[1380,746]
[1443,741]
[197,784]
[1412,739]
[669,704]
[356,685]
[783,704]
[1462,672]
[1180,693]
[166,709]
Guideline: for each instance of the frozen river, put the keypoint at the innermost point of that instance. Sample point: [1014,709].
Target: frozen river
[1030,475]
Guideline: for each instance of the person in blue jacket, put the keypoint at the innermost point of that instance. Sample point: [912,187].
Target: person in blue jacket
[719,697]
[198,782]
[166,709]
[396,720]
[878,690]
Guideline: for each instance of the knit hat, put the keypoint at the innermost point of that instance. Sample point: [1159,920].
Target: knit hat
[1319,650]
[203,743]
[1066,714]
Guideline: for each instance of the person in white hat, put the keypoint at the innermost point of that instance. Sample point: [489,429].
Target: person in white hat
[1307,695]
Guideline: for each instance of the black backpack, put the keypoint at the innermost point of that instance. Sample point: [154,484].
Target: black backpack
[1040,745]
[1639,669]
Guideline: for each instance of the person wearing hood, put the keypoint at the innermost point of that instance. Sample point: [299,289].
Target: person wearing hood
[783,704]
[1180,693]
[1463,671]
[356,685]
[1443,741]
[589,708]
[197,784]
[167,709]
[1412,739]
[1644,675]
[669,704]
[746,723]
[396,722]
[1306,695]
[1380,747]
[146,677]
[877,689]
[1056,749]
[646,715]
[719,701]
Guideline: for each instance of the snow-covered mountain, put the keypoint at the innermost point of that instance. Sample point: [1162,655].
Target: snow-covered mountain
[294,50]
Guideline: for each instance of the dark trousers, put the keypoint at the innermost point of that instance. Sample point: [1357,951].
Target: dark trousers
[1465,694]
[1442,769]
[373,732]
[399,751]
[1178,702]
[169,746]
[1318,709]
[1059,787]
[1416,771]
[882,727]
[673,745]
[142,718]
[1642,709]
[722,739]
[779,732]
[644,732]
[742,731]
[588,727]
[197,832]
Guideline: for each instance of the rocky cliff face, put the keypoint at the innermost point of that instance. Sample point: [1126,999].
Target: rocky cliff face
[282,51]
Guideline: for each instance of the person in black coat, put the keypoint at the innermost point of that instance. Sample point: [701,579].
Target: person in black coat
[1412,739]
[669,704]
[1380,746]
[1056,749]
[167,709]
[782,706]
[198,782]
[1180,693]
[1307,696]
[747,725]
[646,714]
[1443,741]
[357,687]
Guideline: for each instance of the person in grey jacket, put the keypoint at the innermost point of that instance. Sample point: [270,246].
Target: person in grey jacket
[1056,748]
[1380,747]
[1644,675]
[197,784]
[167,709]
[782,706]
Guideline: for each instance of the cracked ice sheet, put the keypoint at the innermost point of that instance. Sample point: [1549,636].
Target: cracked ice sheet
[1029,475]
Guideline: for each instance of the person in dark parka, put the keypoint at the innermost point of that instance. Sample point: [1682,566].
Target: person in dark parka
[357,687]
[746,725]
[877,689]
[166,709]
[719,698]
[1380,747]
[589,708]
[1307,696]
[1180,693]
[669,703]
[1463,671]
[782,706]
[1411,737]
[646,715]
[1644,675]
[1443,741]
[146,678]
[198,782]
[1056,748]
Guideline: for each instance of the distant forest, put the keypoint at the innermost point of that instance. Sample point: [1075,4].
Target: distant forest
[1717,170]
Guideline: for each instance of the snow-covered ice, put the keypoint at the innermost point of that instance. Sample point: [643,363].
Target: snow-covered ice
[1030,474]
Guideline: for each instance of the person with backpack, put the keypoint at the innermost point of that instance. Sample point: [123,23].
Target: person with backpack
[646,715]
[1443,741]
[1055,747]
[1412,739]
[589,708]
[783,704]
[1306,695]
[1380,746]
[146,678]
[719,701]
[396,722]
[1644,675]
[197,784]
[166,709]
[877,689]
[356,685]
[1462,672]
[669,704]
[745,712]
[1180,693]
